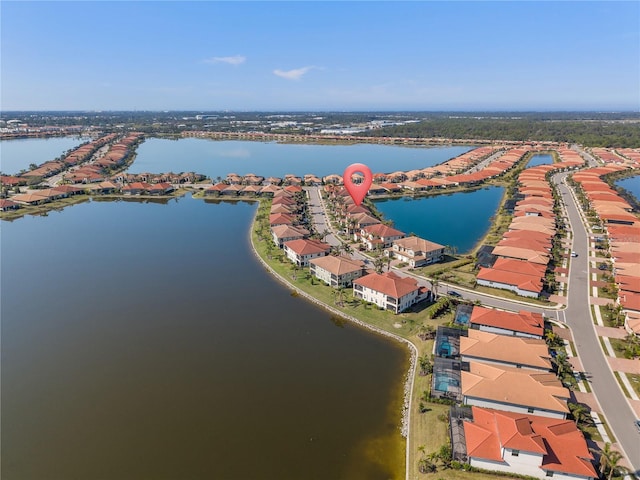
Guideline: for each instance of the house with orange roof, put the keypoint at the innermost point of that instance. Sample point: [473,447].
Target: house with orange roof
[520,283]
[525,444]
[533,256]
[7,205]
[31,198]
[302,250]
[285,233]
[336,271]
[387,290]
[514,390]
[416,251]
[378,236]
[281,219]
[521,324]
[510,351]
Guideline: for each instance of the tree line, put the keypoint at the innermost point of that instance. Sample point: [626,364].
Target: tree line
[591,133]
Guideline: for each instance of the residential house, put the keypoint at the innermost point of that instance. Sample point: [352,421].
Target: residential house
[302,250]
[528,445]
[285,233]
[387,290]
[416,251]
[336,271]
[378,237]
[522,324]
[518,352]
[514,390]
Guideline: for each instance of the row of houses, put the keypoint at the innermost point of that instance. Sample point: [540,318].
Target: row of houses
[387,290]
[359,222]
[622,228]
[445,174]
[522,256]
[514,418]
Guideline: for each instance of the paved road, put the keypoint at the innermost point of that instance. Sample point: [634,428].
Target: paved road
[617,410]
[576,314]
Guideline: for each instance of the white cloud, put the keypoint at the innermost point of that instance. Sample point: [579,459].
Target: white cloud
[234,60]
[295,74]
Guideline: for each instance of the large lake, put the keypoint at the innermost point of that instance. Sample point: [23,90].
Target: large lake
[458,219]
[18,154]
[144,341]
[220,157]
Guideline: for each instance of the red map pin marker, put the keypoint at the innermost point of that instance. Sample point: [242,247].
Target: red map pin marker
[357,190]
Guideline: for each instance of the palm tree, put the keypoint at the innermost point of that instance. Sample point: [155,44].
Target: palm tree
[609,460]
[425,365]
[435,283]
[378,264]
[579,412]
[425,464]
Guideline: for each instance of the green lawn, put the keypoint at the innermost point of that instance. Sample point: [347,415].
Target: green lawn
[634,380]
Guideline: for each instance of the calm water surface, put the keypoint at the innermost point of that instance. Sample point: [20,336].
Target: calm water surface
[632,185]
[458,219]
[540,159]
[218,158]
[145,341]
[18,154]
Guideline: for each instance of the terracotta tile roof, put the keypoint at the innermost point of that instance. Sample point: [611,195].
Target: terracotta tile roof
[389,284]
[305,246]
[287,231]
[417,244]
[520,266]
[4,203]
[539,257]
[523,321]
[563,446]
[506,349]
[515,386]
[337,265]
[280,219]
[383,231]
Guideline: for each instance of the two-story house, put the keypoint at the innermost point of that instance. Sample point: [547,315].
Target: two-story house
[387,290]
[416,251]
[378,237]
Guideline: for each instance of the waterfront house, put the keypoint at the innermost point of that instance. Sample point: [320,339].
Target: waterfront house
[302,250]
[387,290]
[31,198]
[514,390]
[416,251]
[521,324]
[336,271]
[162,188]
[281,219]
[136,188]
[524,444]
[378,237]
[215,190]
[492,348]
[285,233]
[6,205]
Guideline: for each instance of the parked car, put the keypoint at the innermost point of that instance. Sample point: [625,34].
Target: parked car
[638,425]
[453,293]
[603,266]
[574,254]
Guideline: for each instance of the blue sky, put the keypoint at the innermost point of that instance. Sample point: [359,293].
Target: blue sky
[305,55]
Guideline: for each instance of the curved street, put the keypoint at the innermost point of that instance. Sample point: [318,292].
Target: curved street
[576,315]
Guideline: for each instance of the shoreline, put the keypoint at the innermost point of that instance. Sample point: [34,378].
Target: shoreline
[413,349]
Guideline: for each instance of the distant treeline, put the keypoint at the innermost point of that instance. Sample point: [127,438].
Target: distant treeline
[591,133]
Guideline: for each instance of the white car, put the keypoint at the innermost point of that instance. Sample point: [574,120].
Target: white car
[574,254]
